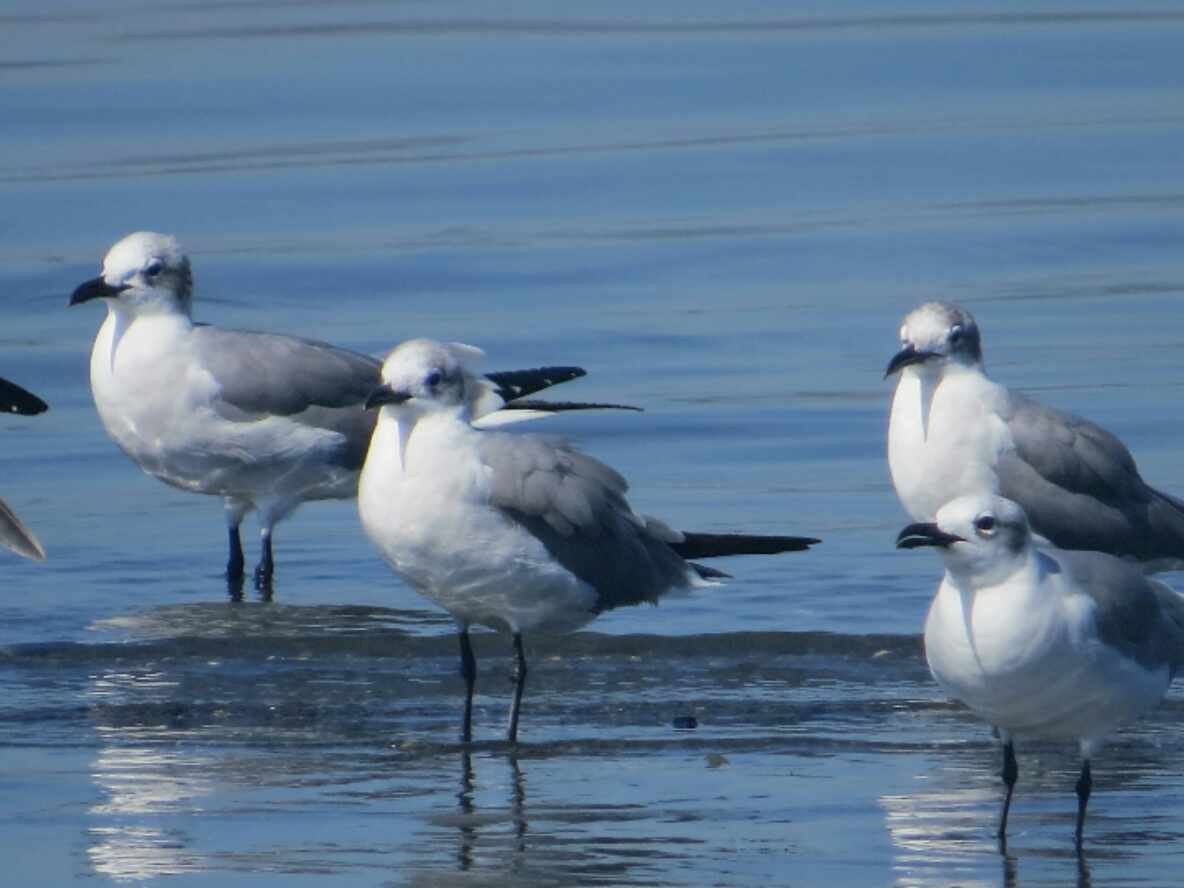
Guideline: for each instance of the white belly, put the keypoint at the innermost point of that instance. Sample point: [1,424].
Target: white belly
[1034,666]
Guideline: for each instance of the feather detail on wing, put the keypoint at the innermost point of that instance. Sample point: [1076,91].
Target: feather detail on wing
[1081,489]
[16,536]
[264,373]
[1139,616]
[575,505]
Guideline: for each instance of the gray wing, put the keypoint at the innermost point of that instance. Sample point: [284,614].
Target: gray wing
[308,382]
[16,536]
[576,507]
[1081,490]
[1138,616]
[265,373]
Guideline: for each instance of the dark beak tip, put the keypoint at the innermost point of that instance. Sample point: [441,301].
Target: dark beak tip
[385,395]
[95,288]
[903,358]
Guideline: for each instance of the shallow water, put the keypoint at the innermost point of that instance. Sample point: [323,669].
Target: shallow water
[722,211]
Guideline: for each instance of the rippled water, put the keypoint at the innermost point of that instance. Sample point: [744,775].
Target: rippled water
[722,210]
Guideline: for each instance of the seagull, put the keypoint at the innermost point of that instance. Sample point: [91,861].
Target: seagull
[1041,641]
[14,534]
[264,421]
[954,431]
[519,533]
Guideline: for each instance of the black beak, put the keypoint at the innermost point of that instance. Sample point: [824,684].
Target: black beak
[96,288]
[384,394]
[904,357]
[925,534]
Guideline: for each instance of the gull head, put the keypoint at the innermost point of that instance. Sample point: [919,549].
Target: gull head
[145,273]
[423,376]
[934,335]
[983,537]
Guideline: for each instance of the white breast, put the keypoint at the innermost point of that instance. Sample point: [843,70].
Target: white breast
[944,438]
[141,384]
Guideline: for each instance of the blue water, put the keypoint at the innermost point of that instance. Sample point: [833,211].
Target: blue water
[723,211]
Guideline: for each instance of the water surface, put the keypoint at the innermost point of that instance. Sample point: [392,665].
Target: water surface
[722,211]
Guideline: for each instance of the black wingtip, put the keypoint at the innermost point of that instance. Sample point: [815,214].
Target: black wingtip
[513,384]
[718,545]
[708,573]
[14,399]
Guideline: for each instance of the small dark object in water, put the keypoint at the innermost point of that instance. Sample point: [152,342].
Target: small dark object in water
[686,723]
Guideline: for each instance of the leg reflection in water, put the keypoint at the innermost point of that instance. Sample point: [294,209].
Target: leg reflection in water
[484,839]
[1011,871]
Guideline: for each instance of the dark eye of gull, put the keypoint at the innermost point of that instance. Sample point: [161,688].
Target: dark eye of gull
[433,379]
[985,524]
[152,269]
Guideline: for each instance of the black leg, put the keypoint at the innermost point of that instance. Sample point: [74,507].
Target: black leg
[234,565]
[519,686]
[1085,783]
[1010,772]
[468,671]
[265,569]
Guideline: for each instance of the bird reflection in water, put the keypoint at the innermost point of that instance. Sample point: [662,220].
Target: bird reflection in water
[141,785]
[938,835]
[471,820]
[1011,870]
[140,781]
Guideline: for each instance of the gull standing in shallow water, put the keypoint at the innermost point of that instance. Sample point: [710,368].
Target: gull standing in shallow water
[953,431]
[1043,642]
[14,534]
[264,421]
[519,533]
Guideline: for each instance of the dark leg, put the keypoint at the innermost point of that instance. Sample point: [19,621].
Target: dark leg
[1010,772]
[468,671]
[1085,783]
[266,568]
[519,686]
[234,565]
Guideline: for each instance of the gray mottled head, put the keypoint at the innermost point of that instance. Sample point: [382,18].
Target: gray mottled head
[982,537]
[936,334]
[145,272]
[426,375]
